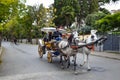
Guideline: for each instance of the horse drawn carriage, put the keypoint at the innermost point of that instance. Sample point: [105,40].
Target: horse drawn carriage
[46,45]
[67,47]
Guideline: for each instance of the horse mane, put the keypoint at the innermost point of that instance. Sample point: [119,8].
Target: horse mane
[70,38]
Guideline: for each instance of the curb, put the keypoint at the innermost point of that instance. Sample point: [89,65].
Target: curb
[1,50]
[105,56]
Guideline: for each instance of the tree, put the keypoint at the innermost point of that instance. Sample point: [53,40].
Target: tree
[91,18]
[27,23]
[66,11]
[50,16]
[42,18]
[8,9]
[68,14]
[39,13]
[89,7]
[12,21]
[108,23]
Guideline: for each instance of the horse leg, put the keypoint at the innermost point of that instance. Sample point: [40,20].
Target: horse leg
[61,61]
[65,58]
[84,58]
[75,63]
[88,65]
[68,61]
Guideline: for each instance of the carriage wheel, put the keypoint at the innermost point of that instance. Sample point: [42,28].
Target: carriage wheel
[49,57]
[40,51]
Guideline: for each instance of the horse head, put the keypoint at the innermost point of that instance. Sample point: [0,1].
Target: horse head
[92,37]
[73,38]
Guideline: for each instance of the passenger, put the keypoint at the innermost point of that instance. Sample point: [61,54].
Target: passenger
[57,35]
[50,36]
[45,39]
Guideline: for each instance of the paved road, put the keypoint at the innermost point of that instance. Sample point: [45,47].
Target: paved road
[22,62]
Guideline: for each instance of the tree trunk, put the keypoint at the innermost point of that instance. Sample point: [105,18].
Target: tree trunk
[0,38]
[67,21]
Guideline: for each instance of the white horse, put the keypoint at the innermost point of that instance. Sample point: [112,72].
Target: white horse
[86,50]
[88,45]
[67,52]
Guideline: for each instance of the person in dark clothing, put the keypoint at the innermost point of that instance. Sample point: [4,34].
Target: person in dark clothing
[57,34]
[15,41]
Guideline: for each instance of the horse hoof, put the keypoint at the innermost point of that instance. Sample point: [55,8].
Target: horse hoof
[60,62]
[75,64]
[76,73]
[89,70]
[68,66]
[62,67]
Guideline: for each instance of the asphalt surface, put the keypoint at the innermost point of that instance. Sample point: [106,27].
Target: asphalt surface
[22,62]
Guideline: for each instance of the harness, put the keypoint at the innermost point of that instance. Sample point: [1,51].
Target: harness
[90,47]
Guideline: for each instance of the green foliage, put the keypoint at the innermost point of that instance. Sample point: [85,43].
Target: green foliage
[13,10]
[94,5]
[87,7]
[40,15]
[8,2]
[50,13]
[108,23]
[66,11]
[116,32]
[11,26]
[91,18]
[90,6]
[104,10]
[7,8]
[16,18]
[1,28]
[85,30]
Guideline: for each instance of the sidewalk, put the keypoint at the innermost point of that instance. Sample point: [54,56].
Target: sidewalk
[107,55]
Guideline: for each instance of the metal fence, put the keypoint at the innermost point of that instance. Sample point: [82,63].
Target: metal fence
[112,43]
